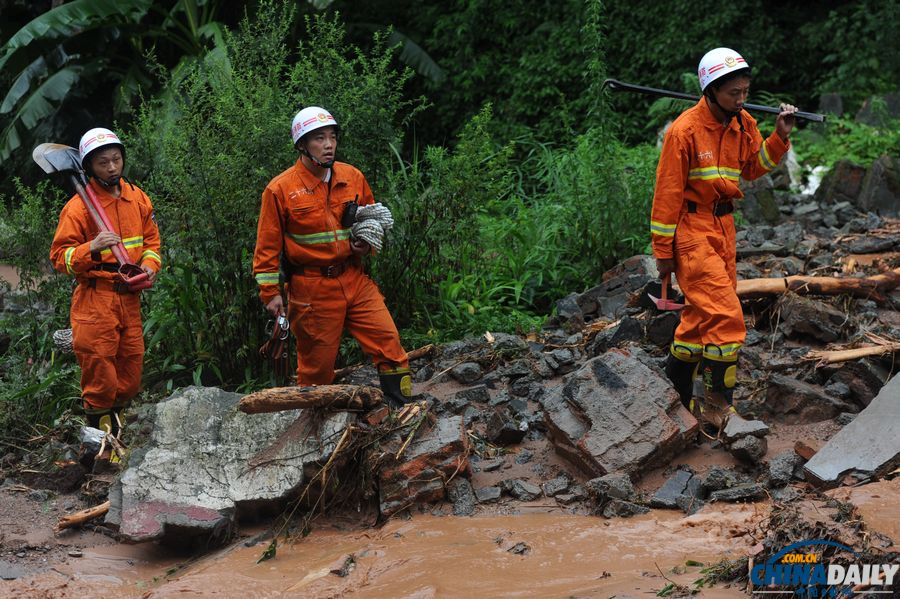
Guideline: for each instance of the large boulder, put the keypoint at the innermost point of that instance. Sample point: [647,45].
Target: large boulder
[880,191]
[842,184]
[615,414]
[201,461]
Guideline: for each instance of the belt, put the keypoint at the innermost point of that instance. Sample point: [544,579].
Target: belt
[106,267]
[331,271]
[718,209]
[95,283]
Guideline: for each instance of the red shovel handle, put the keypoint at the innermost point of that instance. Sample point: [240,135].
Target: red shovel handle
[135,277]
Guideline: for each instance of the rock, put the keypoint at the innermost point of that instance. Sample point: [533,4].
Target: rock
[749,449]
[845,418]
[524,457]
[878,111]
[831,103]
[616,414]
[842,184]
[556,486]
[503,428]
[661,328]
[508,346]
[618,508]
[782,467]
[737,427]
[611,486]
[873,245]
[805,316]
[467,372]
[10,571]
[488,494]
[628,329]
[203,460]
[793,401]
[459,491]
[759,204]
[674,487]
[437,454]
[520,548]
[521,489]
[870,445]
[719,478]
[864,378]
[745,492]
[691,500]
[568,314]
[476,393]
[881,188]
[610,298]
[490,465]
[839,390]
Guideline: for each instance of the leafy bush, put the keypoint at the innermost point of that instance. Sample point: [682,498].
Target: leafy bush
[843,138]
[36,385]
[210,146]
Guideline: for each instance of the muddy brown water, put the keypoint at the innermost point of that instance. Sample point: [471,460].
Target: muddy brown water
[429,556]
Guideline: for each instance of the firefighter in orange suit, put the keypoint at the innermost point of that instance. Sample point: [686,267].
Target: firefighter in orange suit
[106,316]
[705,152]
[306,228]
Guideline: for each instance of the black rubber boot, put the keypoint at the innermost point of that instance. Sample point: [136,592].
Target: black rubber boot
[719,379]
[108,421]
[397,386]
[681,374]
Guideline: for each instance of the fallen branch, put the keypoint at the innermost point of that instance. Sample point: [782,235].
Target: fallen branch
[336,397]
[413,355]
[873,287]
[844,355]
[81,517]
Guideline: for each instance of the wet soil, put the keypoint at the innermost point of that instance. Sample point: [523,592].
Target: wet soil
[507,549]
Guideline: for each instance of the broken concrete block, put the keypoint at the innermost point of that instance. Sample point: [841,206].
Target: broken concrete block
[870,445]
[204,460]
[521,489]
[616,414]
[618,508]
[437,454]
[611,486]
[719,478]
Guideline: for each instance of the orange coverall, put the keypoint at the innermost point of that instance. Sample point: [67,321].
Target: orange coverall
[106,318]
[699,169]
[301,216]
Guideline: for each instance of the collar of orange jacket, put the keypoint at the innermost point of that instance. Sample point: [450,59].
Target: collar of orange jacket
[310,181]
[709,119]
[103,194]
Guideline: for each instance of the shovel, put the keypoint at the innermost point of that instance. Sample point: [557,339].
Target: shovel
[57,158]
[664,303]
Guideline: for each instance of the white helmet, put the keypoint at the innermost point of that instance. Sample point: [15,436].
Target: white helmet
[94,139]
[719,62]
[310,119]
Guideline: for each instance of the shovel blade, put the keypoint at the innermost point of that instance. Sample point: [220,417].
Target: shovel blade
[665,304]
[57,158]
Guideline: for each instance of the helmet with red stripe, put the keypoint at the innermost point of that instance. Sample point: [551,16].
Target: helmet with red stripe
[719,62]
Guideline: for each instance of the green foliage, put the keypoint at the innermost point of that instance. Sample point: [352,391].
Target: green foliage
[36,385]
[209,147]
[845,139]
[858,49]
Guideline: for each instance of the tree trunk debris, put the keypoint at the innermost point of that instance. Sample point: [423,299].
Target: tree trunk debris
[869,287]
[83,516]
[335,397]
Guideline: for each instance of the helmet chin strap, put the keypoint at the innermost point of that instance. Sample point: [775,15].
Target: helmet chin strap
[110,183]
[316,161]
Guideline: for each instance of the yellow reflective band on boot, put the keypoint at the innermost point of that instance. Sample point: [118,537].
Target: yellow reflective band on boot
[686,352]
[730,378]
[406,386]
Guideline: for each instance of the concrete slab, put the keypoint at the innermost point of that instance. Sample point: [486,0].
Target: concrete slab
[870,445]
